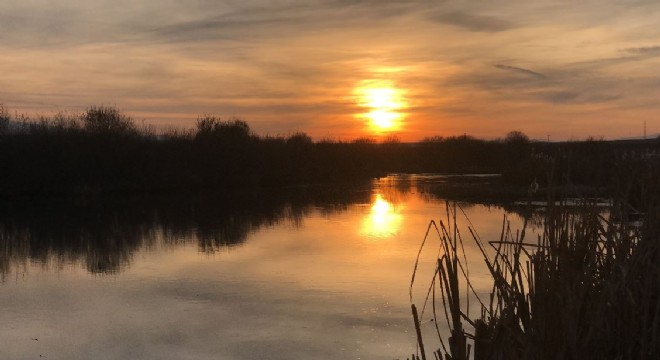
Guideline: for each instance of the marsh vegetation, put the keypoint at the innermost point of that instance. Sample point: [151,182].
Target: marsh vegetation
[586,287]
[103,151]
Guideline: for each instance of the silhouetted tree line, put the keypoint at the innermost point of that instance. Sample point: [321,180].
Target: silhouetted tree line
[103,151]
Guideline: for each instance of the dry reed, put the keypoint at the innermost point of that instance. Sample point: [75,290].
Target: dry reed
[588,287]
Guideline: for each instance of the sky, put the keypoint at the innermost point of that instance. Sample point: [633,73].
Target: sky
[557,69]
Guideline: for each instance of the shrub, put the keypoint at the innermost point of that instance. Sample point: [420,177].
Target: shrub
[4,120]
[299,138]
[210,126]
[516,137]
[107,120]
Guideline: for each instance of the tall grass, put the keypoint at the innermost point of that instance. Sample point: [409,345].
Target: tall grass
[587,287]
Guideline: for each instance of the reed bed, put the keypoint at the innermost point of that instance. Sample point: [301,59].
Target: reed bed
[586,287]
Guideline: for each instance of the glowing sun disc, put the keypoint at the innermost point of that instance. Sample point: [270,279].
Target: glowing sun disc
[383,119]
[383,103]
[385,98]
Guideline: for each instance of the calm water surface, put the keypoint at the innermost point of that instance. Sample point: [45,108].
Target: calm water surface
[289,276]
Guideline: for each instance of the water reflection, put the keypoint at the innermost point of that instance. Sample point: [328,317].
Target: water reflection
[102,235]
[290,270]
[384,219]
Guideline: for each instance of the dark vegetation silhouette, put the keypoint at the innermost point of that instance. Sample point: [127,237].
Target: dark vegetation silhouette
[102,151]
[587,287]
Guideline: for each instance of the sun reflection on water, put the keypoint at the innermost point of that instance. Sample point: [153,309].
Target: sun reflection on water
[383,220]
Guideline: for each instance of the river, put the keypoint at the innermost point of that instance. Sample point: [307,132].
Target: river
[304,274]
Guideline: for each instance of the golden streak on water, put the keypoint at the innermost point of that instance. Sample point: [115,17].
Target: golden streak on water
[383,219]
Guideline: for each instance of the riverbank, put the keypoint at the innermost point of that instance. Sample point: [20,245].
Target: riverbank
[103,152]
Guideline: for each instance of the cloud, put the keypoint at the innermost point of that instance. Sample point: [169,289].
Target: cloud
[473,22]
[639,53]
[630,54]
[281,21]
[520,70]
[564,84]
[572,97]
[559,96]
[645,50]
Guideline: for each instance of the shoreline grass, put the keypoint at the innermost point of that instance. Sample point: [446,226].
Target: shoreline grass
[588,287]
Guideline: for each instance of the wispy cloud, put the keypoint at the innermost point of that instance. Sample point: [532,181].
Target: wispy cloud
[571,97]
[644,50]
[520,70]
[270,21]
[472,22]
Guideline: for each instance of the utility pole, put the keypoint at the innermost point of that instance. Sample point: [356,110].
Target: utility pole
[548,138]
[644,129]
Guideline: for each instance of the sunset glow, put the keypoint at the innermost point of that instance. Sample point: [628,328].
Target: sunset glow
[384,104]
[340,70]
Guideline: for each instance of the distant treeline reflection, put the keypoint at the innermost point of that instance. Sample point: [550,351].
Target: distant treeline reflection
[102,151]
[103,234]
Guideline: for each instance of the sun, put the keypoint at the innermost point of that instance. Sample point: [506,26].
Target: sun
[384,103]
[383,119]
[381,98]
